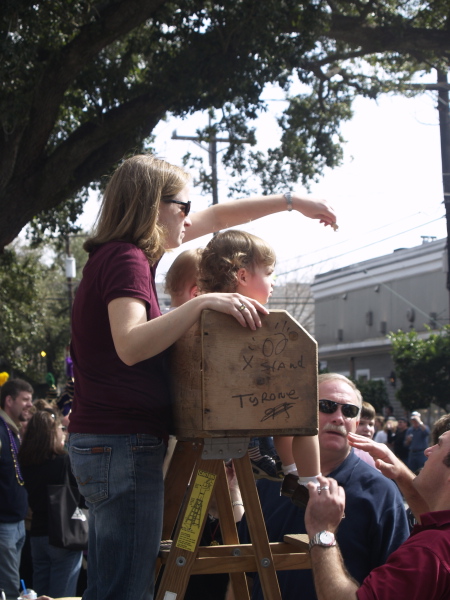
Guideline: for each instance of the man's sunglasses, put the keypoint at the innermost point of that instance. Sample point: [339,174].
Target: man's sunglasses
[186,206]
[350,411]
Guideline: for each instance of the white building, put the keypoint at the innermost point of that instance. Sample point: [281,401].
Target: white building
[356,306]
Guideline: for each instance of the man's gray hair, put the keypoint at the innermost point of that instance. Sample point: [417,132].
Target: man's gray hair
[324,377]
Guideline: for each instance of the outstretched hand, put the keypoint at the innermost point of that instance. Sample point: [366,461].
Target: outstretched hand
[393,468]
[385,460]
[316,209]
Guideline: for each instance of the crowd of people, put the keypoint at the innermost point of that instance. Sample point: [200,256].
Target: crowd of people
[120,421]
[33,455]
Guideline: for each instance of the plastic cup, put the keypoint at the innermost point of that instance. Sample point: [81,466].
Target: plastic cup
[27,595]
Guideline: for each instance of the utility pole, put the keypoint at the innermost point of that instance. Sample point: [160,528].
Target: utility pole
[442,87]
[444,127]
[212,152]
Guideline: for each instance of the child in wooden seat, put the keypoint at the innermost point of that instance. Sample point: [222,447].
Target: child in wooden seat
[181,278]
[236,261]
[181,285]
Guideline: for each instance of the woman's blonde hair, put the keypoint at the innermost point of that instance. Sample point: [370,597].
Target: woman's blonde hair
[130,206]
[228,252]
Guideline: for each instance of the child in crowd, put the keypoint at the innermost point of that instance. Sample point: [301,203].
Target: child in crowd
[181,285]
[181,278]
[366,428]
[236,261]
[366,425]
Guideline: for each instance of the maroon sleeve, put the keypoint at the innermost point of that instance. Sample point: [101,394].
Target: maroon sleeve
[126,273]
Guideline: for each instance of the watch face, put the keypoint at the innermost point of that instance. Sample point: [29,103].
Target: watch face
[326,538]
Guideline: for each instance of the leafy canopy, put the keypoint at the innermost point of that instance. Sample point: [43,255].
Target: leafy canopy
[83,83]
[423,365]
[34,318]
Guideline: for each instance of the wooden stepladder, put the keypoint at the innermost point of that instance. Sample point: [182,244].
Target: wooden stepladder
[232,384]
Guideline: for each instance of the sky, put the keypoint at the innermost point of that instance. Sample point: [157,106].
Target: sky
[387,193]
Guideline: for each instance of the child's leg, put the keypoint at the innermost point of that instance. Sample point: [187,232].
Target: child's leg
[284,448]
[306,453]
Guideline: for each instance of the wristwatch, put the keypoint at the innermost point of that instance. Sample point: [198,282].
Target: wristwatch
[323,538]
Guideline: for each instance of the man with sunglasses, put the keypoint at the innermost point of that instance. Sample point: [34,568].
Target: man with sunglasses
[375,521]
[419,569]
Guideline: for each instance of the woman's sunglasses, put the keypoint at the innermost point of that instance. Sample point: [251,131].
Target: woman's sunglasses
[186,206]
[350,411]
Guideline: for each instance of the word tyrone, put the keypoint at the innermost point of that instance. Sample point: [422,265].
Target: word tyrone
[265,397]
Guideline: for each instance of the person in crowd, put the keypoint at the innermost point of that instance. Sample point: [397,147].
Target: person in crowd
[398,444]
[380,434]
[419,567]
[375,521]
[388,411]
[44,461]
[366,427]
[42,404]
[181,278]
[416,441]
[439,427]
[390,427]
[181,285]
[236,261]
[27,413]
[120,418]
[15,401]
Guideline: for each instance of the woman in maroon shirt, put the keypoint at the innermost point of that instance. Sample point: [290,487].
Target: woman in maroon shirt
[120,414]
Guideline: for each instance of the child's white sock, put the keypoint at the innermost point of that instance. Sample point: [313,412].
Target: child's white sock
[289,469]
[305,480]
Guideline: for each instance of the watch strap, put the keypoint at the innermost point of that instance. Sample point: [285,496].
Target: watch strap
[317,540]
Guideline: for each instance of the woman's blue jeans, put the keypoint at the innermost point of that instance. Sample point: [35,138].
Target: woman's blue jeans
[120,476]
[55,570]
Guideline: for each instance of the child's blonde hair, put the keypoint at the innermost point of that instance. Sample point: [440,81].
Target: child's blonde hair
[226,253]
[183,272]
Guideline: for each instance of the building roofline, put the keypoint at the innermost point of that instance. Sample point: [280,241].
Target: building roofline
[428,257]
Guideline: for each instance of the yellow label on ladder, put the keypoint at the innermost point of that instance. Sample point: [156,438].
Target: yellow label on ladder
[195,513]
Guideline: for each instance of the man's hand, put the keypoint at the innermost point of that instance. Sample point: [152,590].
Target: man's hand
[325,507]
[392,468]
[324,512]
[389,464]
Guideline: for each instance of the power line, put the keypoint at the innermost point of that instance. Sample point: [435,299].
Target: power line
[356,249]
[353,239]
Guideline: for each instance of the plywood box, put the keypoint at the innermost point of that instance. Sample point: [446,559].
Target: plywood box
[230,381]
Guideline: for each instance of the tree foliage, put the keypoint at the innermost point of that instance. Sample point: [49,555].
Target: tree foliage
[35,311]
[373,391]
[20,314]
[423,366]
[84,83]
